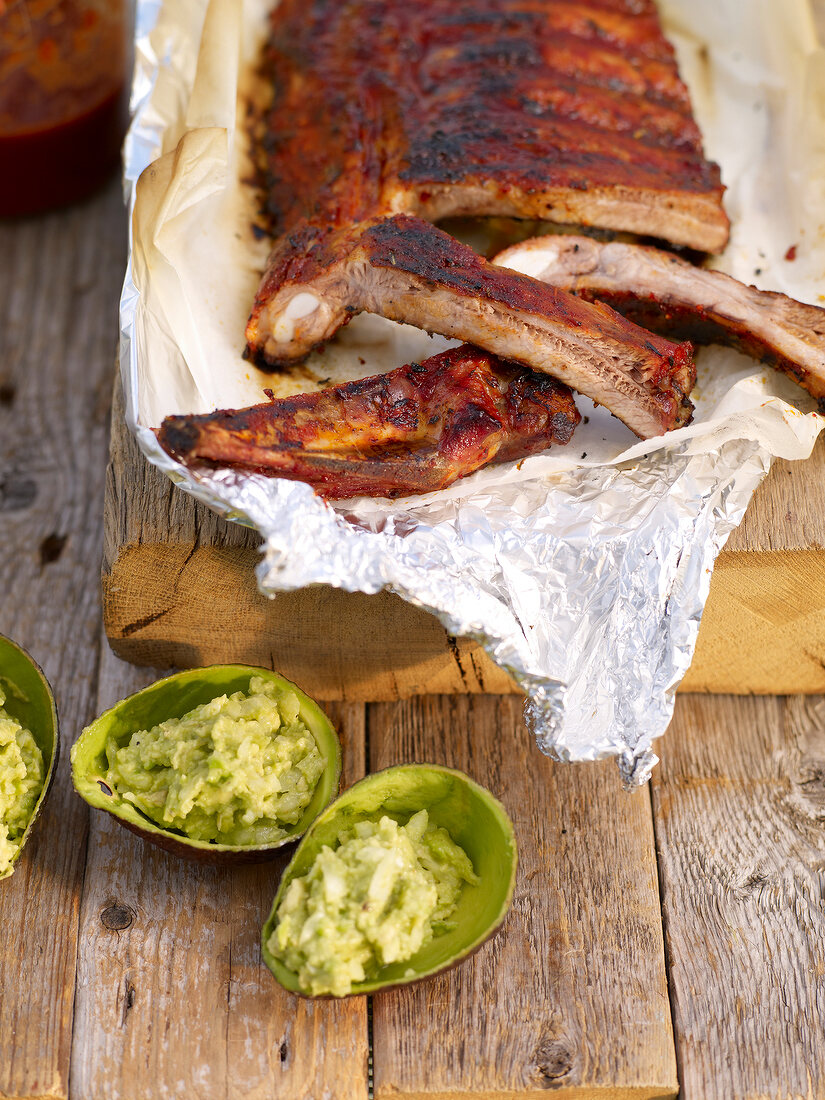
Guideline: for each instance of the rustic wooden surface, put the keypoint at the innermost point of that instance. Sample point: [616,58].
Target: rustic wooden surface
[572,994]
[58,322]
[127,974]
[739,806]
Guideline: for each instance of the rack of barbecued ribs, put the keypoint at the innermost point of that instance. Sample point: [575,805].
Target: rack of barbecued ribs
[388,115]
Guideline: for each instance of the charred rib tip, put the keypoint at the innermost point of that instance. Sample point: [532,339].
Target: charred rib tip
[269,365]
[564,424]
[382,451]
[257,357]
[178,436]
[685,414]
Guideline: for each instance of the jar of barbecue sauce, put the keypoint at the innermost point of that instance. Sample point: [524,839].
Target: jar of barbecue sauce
[63,99]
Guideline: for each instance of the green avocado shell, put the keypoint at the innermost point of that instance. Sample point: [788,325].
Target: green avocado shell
[172,698]
[29,699]
[474,819]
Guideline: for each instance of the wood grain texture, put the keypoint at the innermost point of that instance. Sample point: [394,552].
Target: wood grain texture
[787,512]
[739,805]
[173,1000]
[571,995]
[763,629]
[60,277]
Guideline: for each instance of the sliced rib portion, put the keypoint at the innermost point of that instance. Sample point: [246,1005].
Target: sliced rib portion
[565,110]
[407,270]
[416,429]
[663,292]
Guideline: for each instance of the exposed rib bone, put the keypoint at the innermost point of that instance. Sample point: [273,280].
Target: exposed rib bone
[407,270]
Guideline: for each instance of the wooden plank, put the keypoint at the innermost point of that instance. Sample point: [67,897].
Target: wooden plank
[572,995]
[173,1000]
[763,629]
[788,509]
[787,513]
[739,804]
[60,276]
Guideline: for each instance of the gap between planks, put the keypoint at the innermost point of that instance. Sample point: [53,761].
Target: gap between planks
[739,811]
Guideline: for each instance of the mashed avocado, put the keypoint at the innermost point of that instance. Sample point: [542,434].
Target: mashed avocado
[234,770]
[375,899]
[21,781]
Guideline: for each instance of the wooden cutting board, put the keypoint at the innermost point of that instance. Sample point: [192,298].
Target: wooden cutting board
[179,589]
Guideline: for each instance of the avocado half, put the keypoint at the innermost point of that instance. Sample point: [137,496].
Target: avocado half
[172,698]
[475,820]
[30,701]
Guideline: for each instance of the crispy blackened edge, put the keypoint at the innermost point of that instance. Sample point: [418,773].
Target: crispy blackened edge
[420,249]
[535,412]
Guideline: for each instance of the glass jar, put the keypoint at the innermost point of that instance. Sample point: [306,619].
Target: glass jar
[63,99]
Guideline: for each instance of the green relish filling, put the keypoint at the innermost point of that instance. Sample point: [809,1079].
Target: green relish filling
[235,770]
[375,899]
[21,781]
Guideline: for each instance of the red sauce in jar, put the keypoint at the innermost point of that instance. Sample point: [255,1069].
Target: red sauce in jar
[63,100]
[61,164]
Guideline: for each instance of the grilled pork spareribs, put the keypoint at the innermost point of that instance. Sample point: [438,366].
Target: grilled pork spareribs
[552,109]
[667,294]
[563,110]
[413,430]
[409,270]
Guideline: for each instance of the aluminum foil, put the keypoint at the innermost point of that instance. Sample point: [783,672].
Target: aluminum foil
[583,573]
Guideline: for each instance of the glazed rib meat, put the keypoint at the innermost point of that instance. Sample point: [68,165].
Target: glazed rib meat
[664,293]
[413,430]
[564,110]
[568,110]
[408,270]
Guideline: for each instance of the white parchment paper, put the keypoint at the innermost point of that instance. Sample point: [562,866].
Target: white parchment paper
[582,571]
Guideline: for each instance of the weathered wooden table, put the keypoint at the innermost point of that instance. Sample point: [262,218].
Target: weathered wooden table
[670,939]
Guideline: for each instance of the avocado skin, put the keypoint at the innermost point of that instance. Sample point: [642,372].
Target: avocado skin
[476,821]
[173,697]
[36,711]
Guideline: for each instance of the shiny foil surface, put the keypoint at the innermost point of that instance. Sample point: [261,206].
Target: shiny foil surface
[583,573]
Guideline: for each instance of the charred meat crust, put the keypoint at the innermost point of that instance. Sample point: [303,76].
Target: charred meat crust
[413,430]
[571,110]
[418,248]
[567,110]
[666,294]
[408,270]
